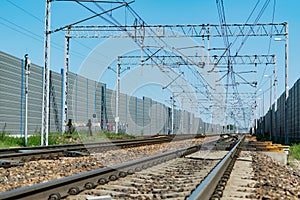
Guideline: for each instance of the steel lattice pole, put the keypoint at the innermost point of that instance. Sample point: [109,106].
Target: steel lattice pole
[46,77]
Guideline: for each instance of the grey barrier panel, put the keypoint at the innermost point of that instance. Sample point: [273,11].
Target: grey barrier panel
[84,100]
[10,94]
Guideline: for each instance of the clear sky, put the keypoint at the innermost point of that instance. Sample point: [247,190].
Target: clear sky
[22,24]
[22,27]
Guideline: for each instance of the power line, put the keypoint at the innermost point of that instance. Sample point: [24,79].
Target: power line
[231,74]
[42,22]
[29,13]
[270,40]
[273,16]
[24,30]
[137,17]
[255,22]
[18,31]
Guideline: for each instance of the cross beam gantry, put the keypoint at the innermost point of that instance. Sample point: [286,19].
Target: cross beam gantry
[179,30]
[200,60]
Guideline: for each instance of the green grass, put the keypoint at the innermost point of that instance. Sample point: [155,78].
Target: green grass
[116,136]
[58,138]
[295,151]
[7,141]
[102,136]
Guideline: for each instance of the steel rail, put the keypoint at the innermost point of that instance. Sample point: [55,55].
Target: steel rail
[75,146]
[207,187]
[66,146]
[35,153]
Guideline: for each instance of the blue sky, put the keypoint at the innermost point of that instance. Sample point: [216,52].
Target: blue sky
[22,26]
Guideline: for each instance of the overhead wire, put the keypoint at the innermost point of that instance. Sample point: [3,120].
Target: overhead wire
[270,41]
[22,31]
[255,23]
[273,17]
[195,72]
[41,39]
[54,44]
[192,69]
[242,30]
[91,10]
[230,72]
[133,12]
[42,22]
[115,23]
[25,11]
[27,32]
[261,83]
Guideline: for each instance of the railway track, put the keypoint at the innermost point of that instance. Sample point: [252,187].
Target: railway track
[174,171]
[17,156]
